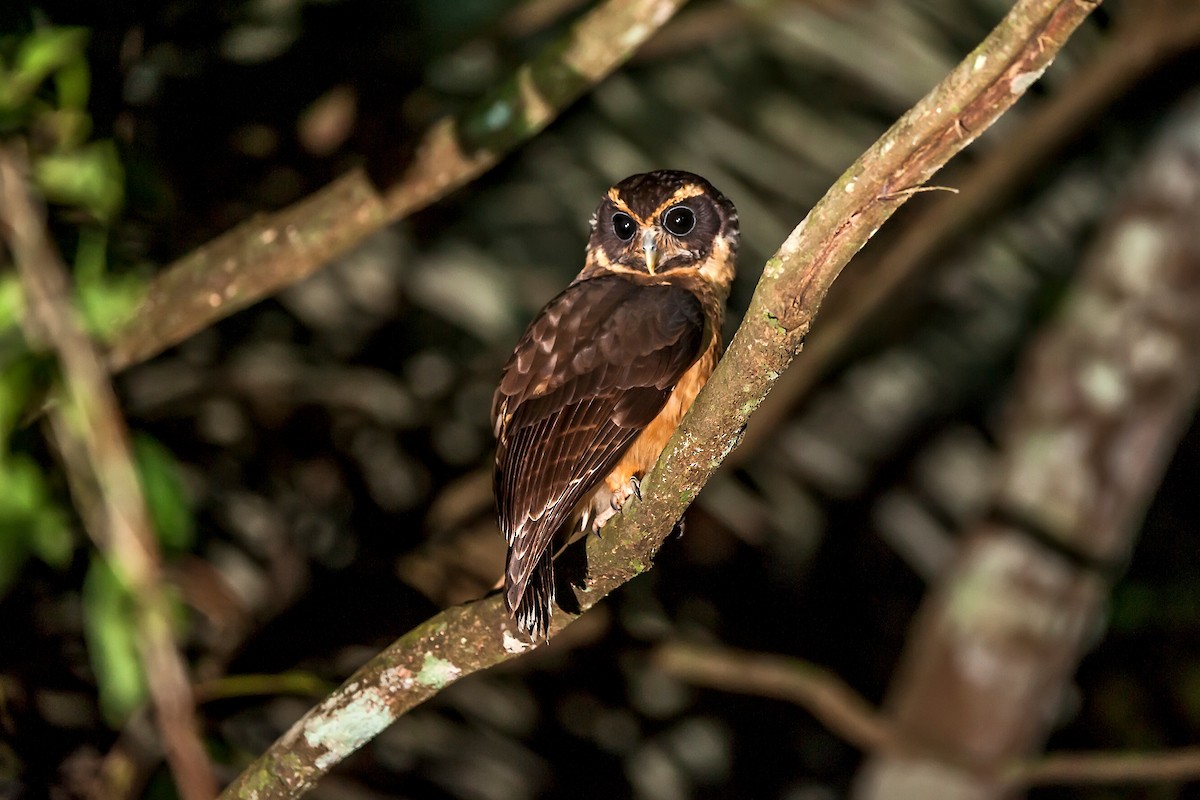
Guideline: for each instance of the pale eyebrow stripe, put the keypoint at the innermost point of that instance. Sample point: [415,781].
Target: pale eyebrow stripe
[691,190]
[615,197]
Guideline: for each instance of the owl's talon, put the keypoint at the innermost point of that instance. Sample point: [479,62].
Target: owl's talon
[601,518]
[621,497]
[616,503]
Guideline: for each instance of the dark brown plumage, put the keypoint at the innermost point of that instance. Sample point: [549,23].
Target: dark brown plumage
[605,371]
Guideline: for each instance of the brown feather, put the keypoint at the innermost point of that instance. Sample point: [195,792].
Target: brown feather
[593,369]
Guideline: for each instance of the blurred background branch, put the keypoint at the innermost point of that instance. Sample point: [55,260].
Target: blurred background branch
[851,717]
[267,253]
[820,692]
[94,444]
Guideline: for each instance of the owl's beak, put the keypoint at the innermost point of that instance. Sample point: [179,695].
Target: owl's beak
[650,249]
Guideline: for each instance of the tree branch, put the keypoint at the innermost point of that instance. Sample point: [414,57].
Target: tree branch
[847,715]
[1115,767]
[95,445]
[474,636]
[820,692]
[272,251]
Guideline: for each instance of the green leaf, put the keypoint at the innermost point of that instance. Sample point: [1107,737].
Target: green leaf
[74,82]
[30,521]
[53,539]
[16,382]
[166,497]
[23,487]
[110,628]
[39,55]
[90,178]
[105,301]
[12,303]
[48,49]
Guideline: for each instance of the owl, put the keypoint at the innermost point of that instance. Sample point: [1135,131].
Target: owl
[603,374]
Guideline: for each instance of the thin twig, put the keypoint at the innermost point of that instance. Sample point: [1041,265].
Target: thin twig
[906,193]
[295,682]
[92,428]
[271,251]
[477,635]
[1111,767]
[850,717]
[822,693]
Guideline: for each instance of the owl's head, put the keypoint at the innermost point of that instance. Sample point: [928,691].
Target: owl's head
[664,222]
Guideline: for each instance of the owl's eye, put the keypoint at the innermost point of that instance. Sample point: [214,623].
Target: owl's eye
[623,226]
[679,220]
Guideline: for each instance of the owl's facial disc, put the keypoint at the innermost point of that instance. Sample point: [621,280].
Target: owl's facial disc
[658,222]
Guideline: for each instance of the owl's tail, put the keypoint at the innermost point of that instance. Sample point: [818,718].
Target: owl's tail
[530,601]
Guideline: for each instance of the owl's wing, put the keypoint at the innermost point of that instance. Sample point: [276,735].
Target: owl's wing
[592,370]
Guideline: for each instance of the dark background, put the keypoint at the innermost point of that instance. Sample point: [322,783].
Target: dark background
[335,443]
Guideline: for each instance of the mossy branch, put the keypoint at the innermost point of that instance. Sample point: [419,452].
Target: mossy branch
[474,636]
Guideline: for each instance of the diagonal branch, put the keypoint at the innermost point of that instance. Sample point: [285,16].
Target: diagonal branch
[272,251]
[95,445]
[474,636]
[1145,38]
